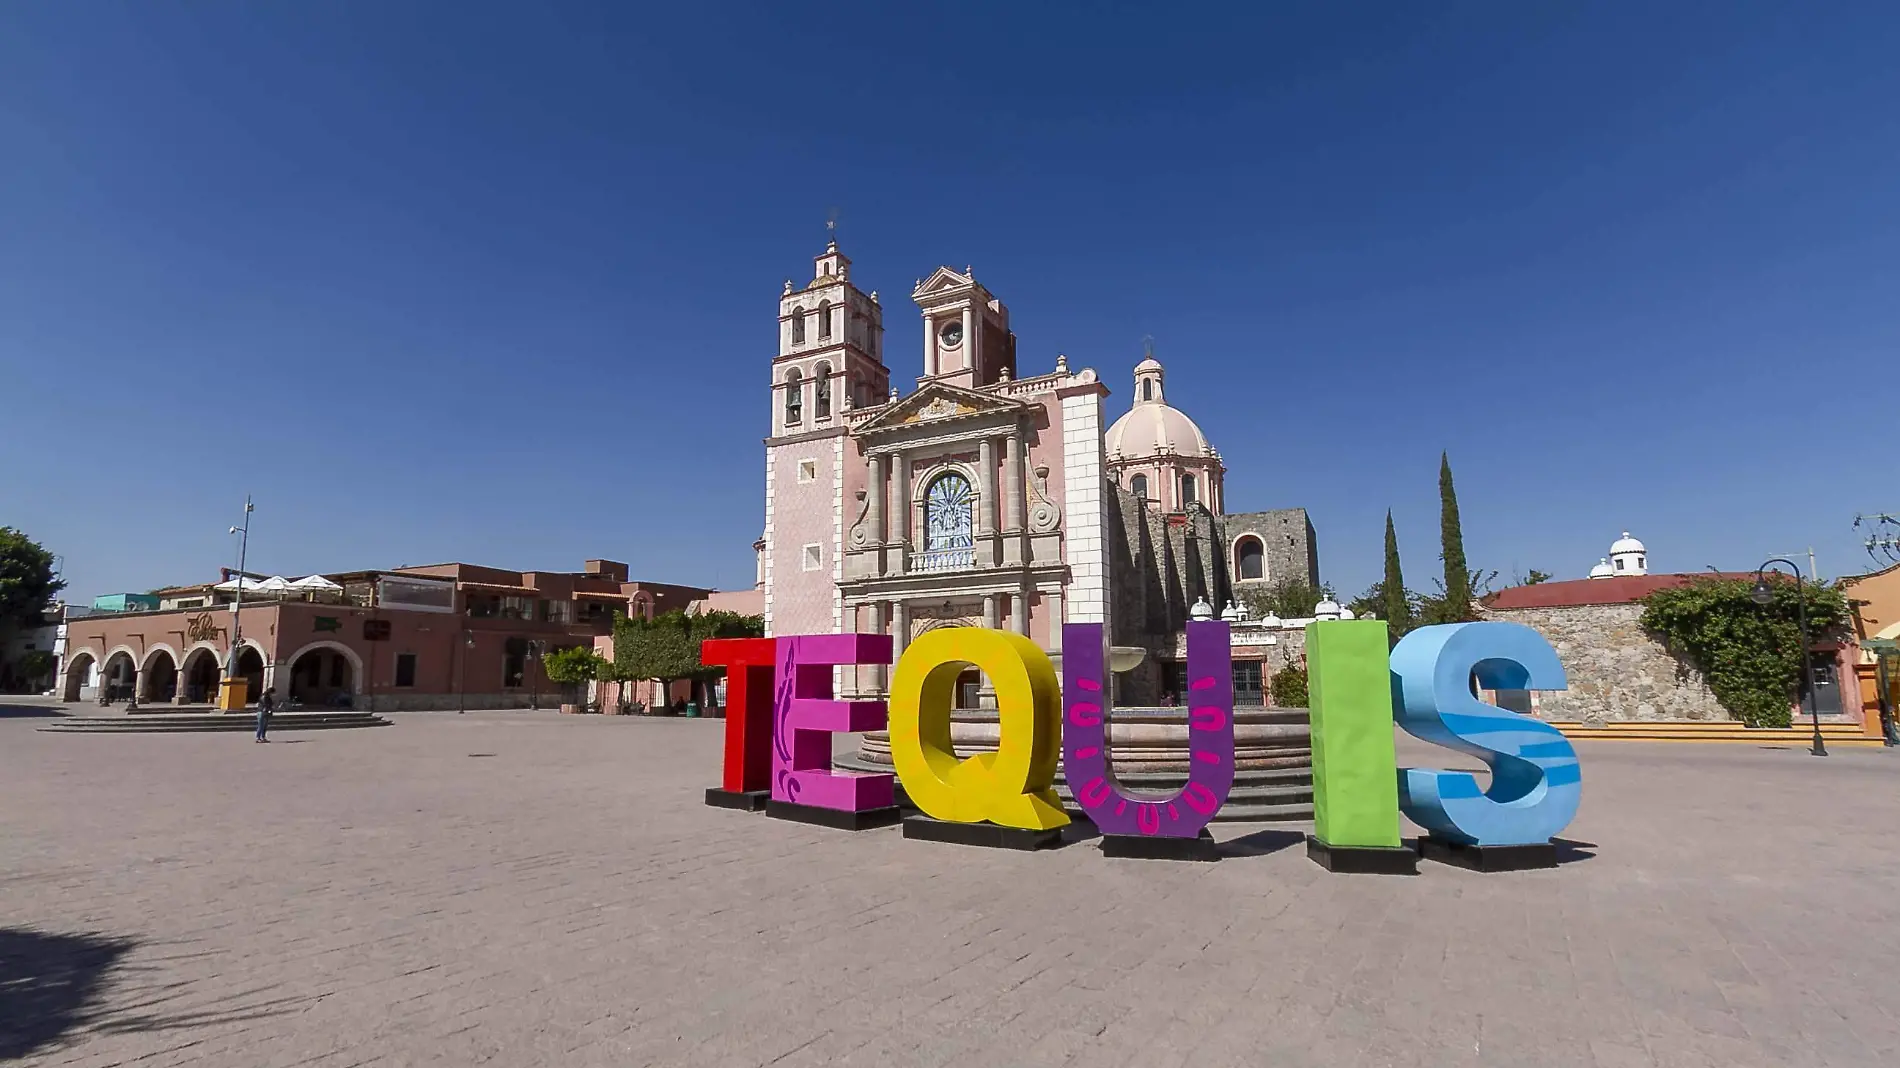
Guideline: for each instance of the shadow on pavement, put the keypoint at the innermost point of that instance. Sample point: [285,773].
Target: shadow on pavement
[8,711]
[54,987]
[1570,852]
[1261,843]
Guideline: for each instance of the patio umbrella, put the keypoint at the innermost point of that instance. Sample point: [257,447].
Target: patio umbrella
[314,584]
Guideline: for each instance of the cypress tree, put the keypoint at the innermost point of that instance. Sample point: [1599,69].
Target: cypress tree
[1397,608]
[1457,573]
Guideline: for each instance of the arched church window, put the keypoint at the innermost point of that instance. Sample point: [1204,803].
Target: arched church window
[1188,491]
[1139,486]
[824,319]
[798,326]
[1250,560]
[821,383]
[794,398]
[1148,390]
[949,513]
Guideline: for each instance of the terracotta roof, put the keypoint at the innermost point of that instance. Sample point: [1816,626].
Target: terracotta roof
[1573,592]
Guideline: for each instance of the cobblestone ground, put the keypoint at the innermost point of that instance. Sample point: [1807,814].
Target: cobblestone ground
[516,889]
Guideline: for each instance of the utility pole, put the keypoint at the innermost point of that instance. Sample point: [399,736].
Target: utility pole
[233,698]
[1813,575]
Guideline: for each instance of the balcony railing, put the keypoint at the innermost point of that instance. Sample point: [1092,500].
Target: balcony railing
[944,559]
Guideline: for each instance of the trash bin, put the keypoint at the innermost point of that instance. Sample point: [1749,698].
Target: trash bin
[692,710]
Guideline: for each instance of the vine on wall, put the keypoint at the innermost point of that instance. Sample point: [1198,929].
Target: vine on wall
[1750,653]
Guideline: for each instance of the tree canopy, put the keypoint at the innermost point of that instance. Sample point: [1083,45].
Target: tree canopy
[27,582]
[1292,598]
[1750,653]
[667,646]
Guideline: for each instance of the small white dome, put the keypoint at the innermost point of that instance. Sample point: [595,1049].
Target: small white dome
[1327,609]
[1231,613]
[1149,364]
[1603,569]
[1201,609]
[1270,620]
[1626,544]
[1346,613]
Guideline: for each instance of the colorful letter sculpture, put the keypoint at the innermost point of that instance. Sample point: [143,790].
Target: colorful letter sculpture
[804,716]
[1132,825]
[750,664]
[1535,780]
[1355,795]
[1013,787]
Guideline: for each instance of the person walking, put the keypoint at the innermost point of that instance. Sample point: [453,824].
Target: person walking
[266,704]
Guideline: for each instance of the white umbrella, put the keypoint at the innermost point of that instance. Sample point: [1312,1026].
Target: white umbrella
[239,583]
[274,584]
[314,584]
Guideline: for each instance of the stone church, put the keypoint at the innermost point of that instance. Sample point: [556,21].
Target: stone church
[981,496]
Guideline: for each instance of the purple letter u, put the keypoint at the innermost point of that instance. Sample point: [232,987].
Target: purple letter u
[1085,712]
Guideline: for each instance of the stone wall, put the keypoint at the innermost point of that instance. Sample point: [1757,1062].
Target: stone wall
[1617,671]
[1286,540]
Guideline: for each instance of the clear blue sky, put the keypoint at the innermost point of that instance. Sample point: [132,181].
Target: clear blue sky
[497,282]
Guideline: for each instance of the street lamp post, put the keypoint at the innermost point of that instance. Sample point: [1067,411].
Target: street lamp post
[1763,595]
[535,649]
[233,700]
[461,683]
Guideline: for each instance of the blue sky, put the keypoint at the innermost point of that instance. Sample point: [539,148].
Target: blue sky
[497,282]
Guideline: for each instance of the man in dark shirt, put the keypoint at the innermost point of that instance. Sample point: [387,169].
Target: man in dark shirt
[265,705]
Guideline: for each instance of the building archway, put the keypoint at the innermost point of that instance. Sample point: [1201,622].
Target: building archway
[250,668]
[200,675]
[158,680]
[79,669]
[324,674]
[118,675]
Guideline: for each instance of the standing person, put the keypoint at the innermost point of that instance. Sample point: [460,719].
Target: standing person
[266,704]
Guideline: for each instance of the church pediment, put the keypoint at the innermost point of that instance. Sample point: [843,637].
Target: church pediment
[938,402]
[941,279]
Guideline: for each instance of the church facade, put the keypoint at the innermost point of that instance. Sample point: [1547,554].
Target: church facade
[983,497]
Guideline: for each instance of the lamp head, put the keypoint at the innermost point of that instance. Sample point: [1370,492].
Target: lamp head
[1761,594]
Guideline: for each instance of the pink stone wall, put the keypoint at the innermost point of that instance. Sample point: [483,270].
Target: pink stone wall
[802,514]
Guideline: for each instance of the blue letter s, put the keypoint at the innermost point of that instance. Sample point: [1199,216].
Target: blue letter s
[1535,781]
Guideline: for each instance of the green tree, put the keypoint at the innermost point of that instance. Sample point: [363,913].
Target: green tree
[1750,654]
[1289,686]
[27,583]
[1397,607]
[1438,607]
[1536,577]
[573,668]
[666,647]
[1456,587]
[1292,598]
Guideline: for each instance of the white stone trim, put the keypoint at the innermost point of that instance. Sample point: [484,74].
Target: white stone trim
[1084,546]
[770,545]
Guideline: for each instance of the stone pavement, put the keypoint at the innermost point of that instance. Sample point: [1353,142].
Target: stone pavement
[514,889]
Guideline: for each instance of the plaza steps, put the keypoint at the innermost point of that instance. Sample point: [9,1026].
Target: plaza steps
[187,723]
[1834,734]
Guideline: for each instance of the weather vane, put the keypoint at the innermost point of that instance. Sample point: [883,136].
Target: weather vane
[831,226]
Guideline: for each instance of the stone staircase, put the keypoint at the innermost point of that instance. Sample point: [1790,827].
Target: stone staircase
[1834,734]
[189,723]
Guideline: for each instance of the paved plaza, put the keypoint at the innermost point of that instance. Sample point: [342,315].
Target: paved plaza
[525,889]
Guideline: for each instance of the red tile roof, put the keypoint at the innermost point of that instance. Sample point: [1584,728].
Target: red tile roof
[1573,592]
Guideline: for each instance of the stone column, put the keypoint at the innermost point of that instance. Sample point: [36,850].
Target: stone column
[930,346]
[138,683]
[877,626]
[1052,602]
[986,503]
[900,628]
[969,346]
[900,510]
[875,492]
[985,689]
[1019,611]
[178,691]
[990,617]
[1015,466]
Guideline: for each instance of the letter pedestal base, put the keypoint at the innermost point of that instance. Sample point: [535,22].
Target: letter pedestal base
[990,835]
[1362,860]
[1155,847]
[1489,858]
[743,800]
[862,820]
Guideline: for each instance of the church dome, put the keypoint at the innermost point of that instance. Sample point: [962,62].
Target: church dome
[1626,544]
[1153,425]
[1603,569]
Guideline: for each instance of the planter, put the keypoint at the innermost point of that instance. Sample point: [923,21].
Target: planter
[573,709]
